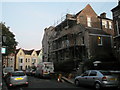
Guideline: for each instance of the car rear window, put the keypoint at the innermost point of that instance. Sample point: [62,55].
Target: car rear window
[18,74]
[106,72]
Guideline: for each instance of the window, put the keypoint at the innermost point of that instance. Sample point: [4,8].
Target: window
[118,29]
[85,73]
[110,25]
[67,42]
[26,59]
[20,53]
[26,66]
[93,73]
[20,67]
[82,40]
[89,21]
[21,60]
[99,40]
[18,74]
[33,60]
[105,72]
[104,23]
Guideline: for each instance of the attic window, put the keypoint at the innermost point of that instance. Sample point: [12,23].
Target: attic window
[20,53]
[88,21]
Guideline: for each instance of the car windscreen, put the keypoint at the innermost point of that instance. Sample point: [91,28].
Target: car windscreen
[18,74]
[106,72]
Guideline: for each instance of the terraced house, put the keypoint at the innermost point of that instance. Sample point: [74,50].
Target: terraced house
[80,40]
[25,59]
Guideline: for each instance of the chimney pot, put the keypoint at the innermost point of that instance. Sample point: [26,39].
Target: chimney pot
[103,15]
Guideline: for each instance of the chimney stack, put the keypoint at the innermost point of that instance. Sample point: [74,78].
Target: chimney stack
[103,15]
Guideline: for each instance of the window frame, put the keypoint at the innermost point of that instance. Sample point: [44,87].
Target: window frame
[89,22]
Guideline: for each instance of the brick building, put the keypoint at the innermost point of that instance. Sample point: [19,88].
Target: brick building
[81,38]
[116,21]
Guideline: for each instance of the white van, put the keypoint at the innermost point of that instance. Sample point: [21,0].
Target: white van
[44,69]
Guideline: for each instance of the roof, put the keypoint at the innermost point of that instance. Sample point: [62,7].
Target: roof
[105,18]
[38,51]
[29,52]
[17,50]
[96,31]
[117,7]
[87,7]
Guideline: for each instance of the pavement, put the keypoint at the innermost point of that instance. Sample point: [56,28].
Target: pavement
[71,80]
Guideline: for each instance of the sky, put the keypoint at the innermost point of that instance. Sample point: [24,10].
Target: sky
[27,20]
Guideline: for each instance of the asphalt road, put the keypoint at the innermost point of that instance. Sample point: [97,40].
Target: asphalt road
[39,84]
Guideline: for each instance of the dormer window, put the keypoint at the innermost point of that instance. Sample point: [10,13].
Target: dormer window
[88,21]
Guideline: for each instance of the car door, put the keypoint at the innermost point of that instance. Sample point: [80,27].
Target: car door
[84,77]
[92,77]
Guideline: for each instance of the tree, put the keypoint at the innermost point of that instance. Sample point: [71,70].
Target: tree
[10,42]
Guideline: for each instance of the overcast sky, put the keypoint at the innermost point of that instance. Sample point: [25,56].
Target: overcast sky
[27,20]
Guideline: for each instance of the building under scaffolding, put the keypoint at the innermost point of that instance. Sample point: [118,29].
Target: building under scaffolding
[75,41]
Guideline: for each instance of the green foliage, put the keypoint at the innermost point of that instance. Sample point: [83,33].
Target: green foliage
[10,42]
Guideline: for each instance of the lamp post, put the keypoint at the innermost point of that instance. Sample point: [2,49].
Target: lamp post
[3,49]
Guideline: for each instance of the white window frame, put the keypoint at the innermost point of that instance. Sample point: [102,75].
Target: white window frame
[110,25]
[89,22]
[106,24]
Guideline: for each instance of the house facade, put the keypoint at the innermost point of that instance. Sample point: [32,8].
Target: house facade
[25,59]
[116,20]
[84,37]
[40,54]
[46,44]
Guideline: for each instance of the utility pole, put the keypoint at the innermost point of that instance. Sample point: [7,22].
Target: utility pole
[0,57]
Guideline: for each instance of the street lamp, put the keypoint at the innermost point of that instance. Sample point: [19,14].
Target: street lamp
[3,49]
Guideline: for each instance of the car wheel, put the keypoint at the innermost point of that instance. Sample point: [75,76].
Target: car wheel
[97,86]
[26,85]
[77,83]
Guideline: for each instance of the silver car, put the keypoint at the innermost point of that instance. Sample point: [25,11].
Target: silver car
[97,78]
[16,78]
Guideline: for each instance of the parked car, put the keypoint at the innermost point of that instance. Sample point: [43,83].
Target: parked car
[6,70]
[32,72]
[28,72]
[97,78]
[16,78]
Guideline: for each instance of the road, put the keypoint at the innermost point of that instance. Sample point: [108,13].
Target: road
[37,83]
